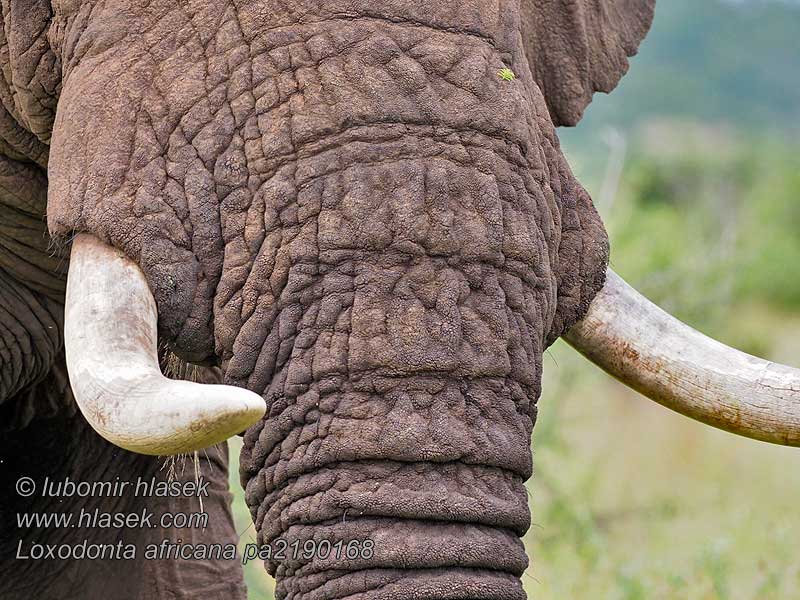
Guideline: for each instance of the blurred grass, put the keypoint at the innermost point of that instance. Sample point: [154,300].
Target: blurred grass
[260,586]
[629,500]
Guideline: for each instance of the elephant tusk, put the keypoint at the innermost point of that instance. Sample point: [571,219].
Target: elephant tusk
[110,338]
[651,351]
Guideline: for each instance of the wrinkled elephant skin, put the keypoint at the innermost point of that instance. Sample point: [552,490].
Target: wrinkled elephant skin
[346,206]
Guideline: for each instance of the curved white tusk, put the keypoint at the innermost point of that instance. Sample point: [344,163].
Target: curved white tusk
[647,349]
[110,339]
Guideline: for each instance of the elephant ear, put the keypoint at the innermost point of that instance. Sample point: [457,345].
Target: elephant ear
[578,47]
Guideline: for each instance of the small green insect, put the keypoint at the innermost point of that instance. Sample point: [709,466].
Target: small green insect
[506,74]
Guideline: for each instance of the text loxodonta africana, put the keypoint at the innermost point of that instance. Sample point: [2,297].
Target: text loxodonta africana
[355,215]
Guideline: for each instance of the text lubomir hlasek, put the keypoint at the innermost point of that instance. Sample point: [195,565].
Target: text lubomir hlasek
[142,487]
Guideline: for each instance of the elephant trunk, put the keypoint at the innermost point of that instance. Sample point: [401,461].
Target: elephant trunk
[392,487]
[400,395]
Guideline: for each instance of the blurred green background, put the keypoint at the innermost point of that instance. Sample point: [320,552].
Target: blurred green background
[694,163]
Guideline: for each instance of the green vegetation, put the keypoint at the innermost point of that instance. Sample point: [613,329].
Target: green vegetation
[629,500]
[506,74]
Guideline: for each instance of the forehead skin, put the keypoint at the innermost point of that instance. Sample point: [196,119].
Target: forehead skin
[192,139]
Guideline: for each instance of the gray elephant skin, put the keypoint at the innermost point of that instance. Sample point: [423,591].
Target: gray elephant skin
[356,209]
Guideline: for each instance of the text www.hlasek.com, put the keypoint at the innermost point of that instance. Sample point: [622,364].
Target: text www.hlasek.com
[106,520]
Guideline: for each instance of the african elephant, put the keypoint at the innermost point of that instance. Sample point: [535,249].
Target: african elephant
[345,227]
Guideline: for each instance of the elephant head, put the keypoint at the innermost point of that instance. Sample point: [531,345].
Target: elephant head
[360,212]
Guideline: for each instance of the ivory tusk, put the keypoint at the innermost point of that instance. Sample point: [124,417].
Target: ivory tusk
[110,338]
[651,351]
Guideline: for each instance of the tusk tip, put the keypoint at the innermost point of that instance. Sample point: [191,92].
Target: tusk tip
[246,408]
[217,413]
[195,416]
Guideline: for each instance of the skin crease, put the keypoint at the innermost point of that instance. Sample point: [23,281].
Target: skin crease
[343,206]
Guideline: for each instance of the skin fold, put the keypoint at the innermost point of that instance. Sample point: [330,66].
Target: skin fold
[345,208]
